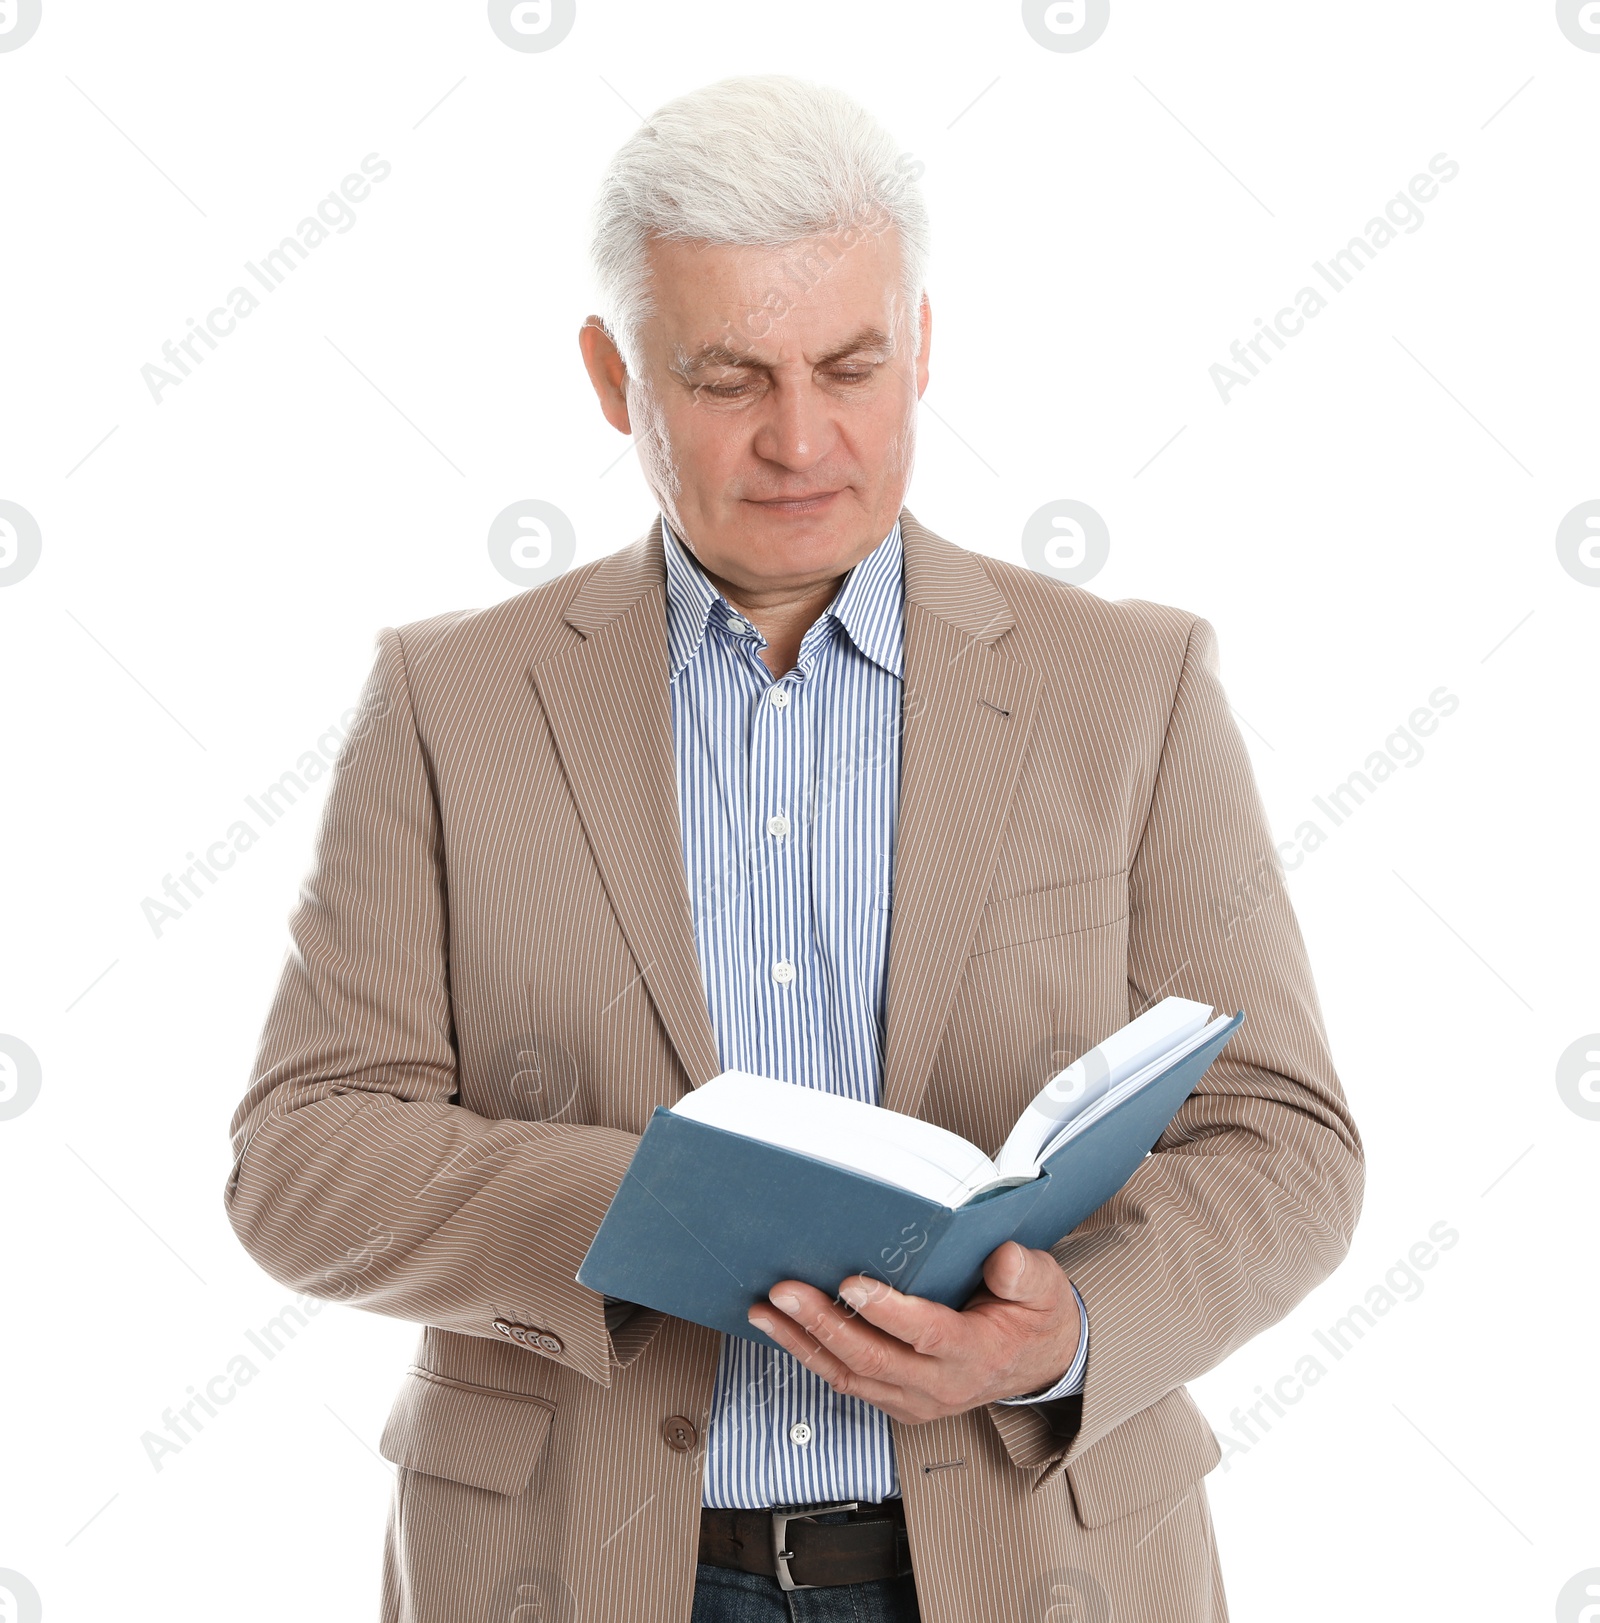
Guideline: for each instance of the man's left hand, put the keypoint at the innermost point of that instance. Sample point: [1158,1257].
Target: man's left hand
[918,1360]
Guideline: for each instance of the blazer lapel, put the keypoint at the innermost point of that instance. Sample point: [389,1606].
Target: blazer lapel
[606,700]
[968,711]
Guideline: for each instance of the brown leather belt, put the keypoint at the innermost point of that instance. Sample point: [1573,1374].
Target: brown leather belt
[867,1546]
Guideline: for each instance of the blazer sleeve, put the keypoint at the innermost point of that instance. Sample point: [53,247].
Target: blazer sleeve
[357,1176]
[1254,1189]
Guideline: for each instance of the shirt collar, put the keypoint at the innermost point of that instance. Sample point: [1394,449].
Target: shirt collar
[870,606]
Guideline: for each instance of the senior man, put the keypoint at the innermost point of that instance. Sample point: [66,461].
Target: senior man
[789,785]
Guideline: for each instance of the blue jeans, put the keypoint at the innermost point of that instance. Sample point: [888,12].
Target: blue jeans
[722,1595]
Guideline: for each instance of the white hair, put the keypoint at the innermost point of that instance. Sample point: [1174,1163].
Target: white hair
[761,162]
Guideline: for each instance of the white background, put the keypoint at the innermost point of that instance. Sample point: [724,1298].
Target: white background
[1370,519]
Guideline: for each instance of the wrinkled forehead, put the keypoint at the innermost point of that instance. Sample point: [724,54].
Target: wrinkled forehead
[821,298]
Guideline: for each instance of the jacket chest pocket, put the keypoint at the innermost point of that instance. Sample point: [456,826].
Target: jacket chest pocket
[1057,910]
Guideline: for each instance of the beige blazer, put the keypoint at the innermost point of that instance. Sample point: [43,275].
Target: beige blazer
[493,982]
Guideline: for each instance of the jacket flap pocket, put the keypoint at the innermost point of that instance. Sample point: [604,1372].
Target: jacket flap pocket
[1035,915]
[1157,1453]
[478,1435]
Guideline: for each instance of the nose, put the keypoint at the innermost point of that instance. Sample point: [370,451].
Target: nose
[796,429]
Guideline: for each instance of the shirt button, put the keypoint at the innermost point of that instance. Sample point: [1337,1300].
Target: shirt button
[800,1434]
[778,826]
[735,625]
[780,698]
[783,972]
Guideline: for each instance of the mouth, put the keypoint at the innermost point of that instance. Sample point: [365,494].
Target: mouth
[796,506]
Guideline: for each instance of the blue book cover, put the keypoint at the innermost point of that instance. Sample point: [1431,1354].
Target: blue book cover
[706,1221]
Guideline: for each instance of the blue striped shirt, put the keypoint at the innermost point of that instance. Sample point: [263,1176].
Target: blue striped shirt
[788,791]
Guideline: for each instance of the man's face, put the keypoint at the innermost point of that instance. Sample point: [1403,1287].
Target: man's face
[776,411]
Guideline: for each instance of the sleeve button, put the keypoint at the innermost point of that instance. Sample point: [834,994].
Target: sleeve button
[525,1335]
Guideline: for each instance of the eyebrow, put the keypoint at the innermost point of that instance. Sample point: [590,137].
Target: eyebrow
[719,354]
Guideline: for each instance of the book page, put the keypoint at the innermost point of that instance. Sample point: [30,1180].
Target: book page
[1092,1076]
[1111,1098]
[884,1144]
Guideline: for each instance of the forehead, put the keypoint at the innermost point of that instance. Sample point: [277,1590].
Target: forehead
[803,299]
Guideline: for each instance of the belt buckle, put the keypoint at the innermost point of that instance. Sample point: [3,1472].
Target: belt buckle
[781,1555]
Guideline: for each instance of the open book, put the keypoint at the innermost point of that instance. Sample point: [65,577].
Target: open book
[931,1161]
[747,1181]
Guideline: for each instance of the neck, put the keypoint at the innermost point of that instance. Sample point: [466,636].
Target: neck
[782,616]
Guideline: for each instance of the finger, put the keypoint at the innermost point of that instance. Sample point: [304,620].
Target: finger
[1016,1274]
[794,1338]
[860,1347]
[924,1326]
[788,1335]
[893,1400]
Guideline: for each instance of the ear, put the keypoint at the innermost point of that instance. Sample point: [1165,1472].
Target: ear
[925,317]
[607,372]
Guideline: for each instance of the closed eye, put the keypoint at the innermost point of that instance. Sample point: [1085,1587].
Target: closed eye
[848,375]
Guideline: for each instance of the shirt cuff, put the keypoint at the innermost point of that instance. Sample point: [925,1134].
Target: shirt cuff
[1072,1381]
